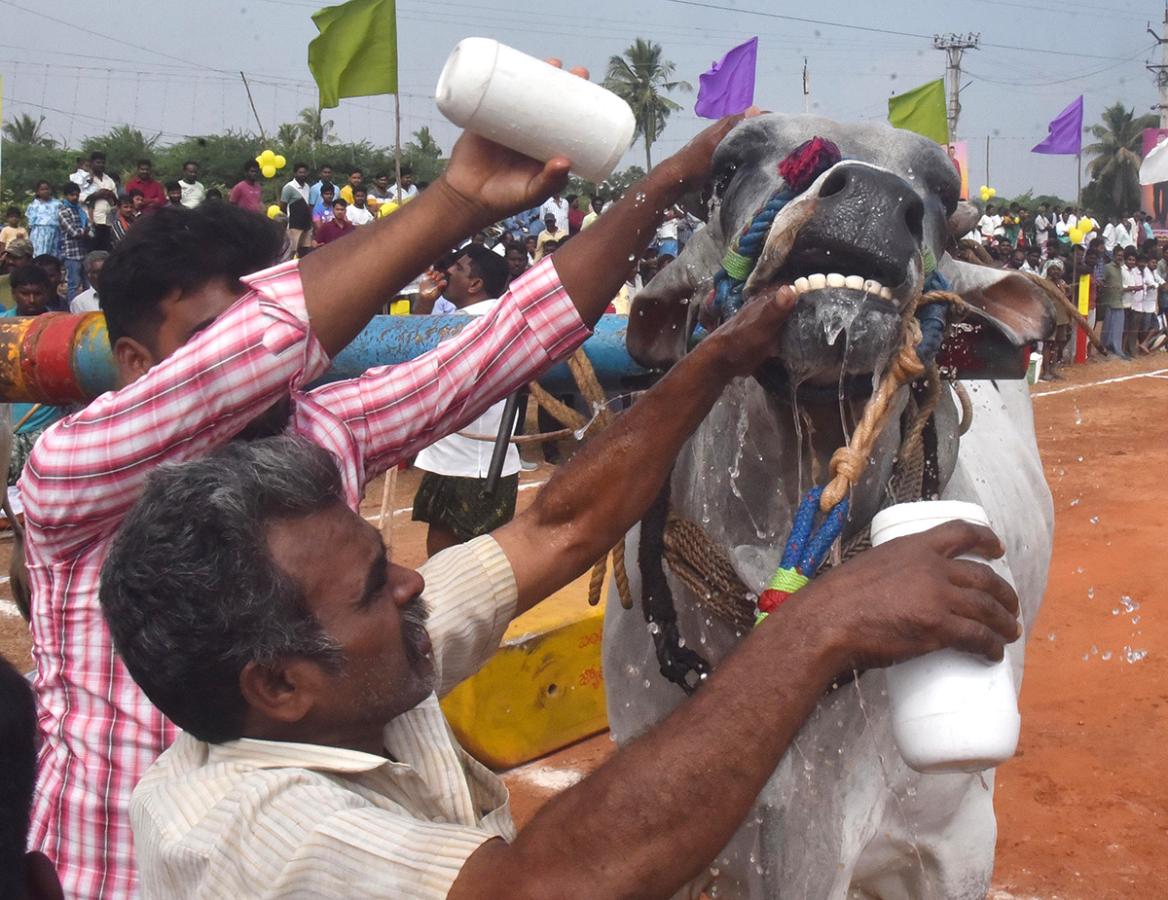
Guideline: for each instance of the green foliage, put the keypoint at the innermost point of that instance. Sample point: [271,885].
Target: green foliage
[221,159]
[1115,157]
[26,164]
[641,78]
[24,129]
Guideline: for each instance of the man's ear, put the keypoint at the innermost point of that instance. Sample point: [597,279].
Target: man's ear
[284,691]
[133,359]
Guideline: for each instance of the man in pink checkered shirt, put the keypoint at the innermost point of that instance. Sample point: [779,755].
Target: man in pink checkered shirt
[207,353]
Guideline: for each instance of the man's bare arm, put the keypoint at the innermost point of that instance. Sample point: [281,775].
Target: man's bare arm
[592,501]
[658,812]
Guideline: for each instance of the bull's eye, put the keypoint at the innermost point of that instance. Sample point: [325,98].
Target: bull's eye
[723,178]
[949,195]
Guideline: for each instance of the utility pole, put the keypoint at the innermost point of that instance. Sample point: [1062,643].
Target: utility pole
[1161,71]
[806,88]
[954,46]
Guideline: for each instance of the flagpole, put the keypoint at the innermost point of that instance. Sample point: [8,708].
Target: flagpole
[247,87]
[397,143]
[1079,174]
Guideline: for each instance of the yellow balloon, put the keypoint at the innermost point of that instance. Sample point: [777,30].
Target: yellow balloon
[269,171]
[279,161]
[273,211]
[992,192]
[1076,236]
[982,189]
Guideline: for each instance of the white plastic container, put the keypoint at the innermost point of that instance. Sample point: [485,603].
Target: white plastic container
[534,108]
[1034,369]
[951,711]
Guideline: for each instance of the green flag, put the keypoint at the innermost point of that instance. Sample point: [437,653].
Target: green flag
[922,110]
[355,54]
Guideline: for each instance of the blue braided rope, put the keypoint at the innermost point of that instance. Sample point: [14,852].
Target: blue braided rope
[934,319]
[728,298]
[801,528]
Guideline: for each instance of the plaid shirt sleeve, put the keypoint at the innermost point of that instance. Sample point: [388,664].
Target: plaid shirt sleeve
[391,412]
[87,470]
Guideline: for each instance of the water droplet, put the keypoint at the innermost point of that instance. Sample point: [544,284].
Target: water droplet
[1134,656]
[1090,593]
[1075,502]
[1106,656]
[1094,520]
[654,628]
[1129,605]
[645,684]
[1050,636]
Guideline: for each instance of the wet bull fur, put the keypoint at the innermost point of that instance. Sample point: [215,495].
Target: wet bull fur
[842,815]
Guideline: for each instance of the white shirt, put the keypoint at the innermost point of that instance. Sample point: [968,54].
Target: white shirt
[1147,300]
[357,215]
[407,193]
[559,209]
[86,301]
[1041,224]
[468,457]
[101,208]
[1132,277]
[79,177]
[193,193]
[1123,237]
[272,819]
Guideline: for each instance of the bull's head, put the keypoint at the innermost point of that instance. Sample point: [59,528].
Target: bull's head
[855,246]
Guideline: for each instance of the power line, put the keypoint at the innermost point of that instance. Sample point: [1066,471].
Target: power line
[871,29]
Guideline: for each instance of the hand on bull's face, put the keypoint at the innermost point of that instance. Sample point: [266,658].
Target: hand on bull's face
[912,596]
[752,337]
[690,166]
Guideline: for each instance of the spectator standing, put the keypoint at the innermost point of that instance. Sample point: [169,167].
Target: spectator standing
[406,187]
[88,300]
[357,212]
[100,194]
[379,192]
[153,196]
[294,200]
[174,195]
[123,219]
[12,229]
[575,214]
[557,207]
[337,227]
[74,240]
[247,193]
[595,206]
[323,210]
[325,177]
[516,259]
[451,497]
[356,177]
[17,255]
[44,221]
[551,232]
[193,192]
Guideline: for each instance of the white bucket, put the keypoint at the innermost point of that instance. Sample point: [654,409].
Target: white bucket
[1034,370]
[951,711]
[534,108]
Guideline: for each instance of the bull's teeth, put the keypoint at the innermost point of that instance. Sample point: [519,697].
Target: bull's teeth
[835,280]
[802,286]
[885,293]
[872,287]
[855,282]
[817,282]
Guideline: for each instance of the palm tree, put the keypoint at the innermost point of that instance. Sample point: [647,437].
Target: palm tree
[641,78]
[1115,155]
[24,129]
[314,127]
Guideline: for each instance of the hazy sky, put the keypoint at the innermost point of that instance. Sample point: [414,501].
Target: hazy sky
[172,68]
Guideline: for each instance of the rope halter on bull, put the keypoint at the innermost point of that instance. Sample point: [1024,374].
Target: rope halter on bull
[823,511]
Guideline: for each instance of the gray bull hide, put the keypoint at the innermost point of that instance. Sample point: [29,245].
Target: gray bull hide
[842,815]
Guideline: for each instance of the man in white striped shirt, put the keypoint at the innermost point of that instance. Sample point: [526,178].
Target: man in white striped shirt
[261,615]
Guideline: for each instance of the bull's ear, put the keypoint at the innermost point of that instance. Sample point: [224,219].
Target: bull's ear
[1008,300]
[663,314]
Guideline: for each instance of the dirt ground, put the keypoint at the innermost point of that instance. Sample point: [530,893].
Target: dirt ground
[1082,812]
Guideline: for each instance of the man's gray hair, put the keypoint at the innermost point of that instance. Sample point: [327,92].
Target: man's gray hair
[190,590]
[93,257]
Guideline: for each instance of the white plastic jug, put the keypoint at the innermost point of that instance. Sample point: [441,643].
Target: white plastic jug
[534,108]
[951,711]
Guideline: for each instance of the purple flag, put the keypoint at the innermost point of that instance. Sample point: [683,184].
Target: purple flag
[1066,132]
[728,88]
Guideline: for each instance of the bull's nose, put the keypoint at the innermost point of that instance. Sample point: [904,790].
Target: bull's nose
[878,193]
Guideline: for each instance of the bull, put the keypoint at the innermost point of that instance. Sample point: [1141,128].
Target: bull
[842,815]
